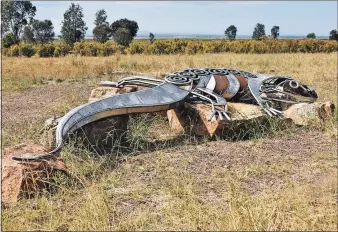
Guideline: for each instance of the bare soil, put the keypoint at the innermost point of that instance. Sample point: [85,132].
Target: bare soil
[38,103]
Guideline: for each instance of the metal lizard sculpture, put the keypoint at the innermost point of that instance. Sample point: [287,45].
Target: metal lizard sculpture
[214,86]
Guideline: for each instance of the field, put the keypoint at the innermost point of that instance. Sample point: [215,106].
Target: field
[283,178]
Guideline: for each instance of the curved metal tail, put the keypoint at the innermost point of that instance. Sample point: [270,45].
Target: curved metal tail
[162,97]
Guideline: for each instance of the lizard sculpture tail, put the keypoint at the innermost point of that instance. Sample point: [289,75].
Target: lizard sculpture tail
[162,97]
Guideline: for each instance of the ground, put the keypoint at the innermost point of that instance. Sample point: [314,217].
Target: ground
[283,178]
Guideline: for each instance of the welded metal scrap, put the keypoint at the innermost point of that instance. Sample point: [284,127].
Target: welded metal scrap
[213,86]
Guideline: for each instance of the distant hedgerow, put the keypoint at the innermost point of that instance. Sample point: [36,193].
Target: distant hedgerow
[175,46]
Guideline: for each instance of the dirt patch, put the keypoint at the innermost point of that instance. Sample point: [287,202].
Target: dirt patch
[23,113]
[37,103]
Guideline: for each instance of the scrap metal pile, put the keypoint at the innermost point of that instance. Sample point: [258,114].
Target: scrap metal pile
[213,86]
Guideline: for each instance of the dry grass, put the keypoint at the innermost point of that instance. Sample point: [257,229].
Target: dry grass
[209,186]
[317,70]
[283,182]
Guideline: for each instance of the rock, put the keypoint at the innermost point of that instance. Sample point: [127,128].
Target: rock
[194,118]
[24,179]
[106,91]
[177,119]
[48,133]
[308,114]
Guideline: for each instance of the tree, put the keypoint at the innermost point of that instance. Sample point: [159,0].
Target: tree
[4,28]
[151,38]
[311,36]
[230,32]
[8,40]
[122,36]
[102,31]
[15,15]
[333,35]
[259,31]
[73,26]
[100,17]
[28,34]
[125,23]
[275,32]
[43,30]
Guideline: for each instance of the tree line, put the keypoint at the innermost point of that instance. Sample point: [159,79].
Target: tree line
[259,33]
[18,24]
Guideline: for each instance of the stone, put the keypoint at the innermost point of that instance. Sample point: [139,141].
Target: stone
[194,118]
[48,136]
[107,91]
[308,114]
[24,179]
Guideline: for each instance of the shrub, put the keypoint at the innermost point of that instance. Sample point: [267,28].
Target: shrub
[8,40]
[88,48]
[15,50]
[57,52]
[176,46]
[6,51]
[108,49]
[62,48]
[136,48]
[160,47]
[26,50]
[46,50]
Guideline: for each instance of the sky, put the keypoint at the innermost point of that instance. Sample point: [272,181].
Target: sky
[204,17]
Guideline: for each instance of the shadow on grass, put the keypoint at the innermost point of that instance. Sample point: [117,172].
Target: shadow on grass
[138,138]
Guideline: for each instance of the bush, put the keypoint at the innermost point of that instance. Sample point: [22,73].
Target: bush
[15,50]
[109,49]
[46,50]
[8,40]
[89,48]
[176,46]
[26,50]
[6,51]
[63,48]
[160,47]
[136,48]
[57,52]
[194,47]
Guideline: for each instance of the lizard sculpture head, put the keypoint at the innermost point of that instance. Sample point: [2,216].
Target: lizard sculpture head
[287,90]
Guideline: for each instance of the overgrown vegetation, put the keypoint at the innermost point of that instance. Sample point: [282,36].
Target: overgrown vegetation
[183,46]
